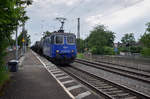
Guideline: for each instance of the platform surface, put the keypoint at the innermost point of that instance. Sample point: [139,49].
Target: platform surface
[32,81]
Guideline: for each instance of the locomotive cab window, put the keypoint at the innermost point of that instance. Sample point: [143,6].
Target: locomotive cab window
[59,39]
[70,39]
[52,39]
[49,40]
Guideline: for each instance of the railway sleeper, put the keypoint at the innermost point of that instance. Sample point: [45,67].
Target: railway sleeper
[104,87]
[98,84]
[111,89]
[115,96]
[131,97]
[123,95]
[95,82]
[117,91]
[127,97]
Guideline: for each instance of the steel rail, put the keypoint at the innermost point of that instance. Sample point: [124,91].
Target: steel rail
[137,76]
[122,65]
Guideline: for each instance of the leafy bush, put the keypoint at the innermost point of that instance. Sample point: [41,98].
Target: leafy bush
[97,50]
[80,55]
[80,45]
[94,50]
[145,52]
[4,75]
[102,50]
[124,49]
[134,49]
[145,39]
[109,51]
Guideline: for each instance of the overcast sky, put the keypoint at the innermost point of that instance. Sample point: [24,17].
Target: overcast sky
[120,16]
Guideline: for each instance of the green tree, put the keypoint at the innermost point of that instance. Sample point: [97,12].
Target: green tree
[128,39]
[80,45]
[145,52]
[145,40]
[99,38]
[46,33]
[26,38]
[148,27]
[12,15]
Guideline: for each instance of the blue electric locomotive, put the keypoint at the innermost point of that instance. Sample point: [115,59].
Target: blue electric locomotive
[60,47]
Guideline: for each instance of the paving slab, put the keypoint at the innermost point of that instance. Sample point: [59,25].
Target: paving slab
[32,81]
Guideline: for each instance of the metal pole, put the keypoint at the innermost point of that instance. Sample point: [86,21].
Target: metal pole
[78,34]
[17,43]
[23,38]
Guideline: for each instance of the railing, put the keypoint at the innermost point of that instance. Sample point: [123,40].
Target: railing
[139,63]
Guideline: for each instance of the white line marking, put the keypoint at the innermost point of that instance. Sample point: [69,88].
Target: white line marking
[63,77]
[74,87]
[82,95]
[55,78]
[50,65]
[21,60]
[59,74]
[55,72]
[66,82]
[53,69]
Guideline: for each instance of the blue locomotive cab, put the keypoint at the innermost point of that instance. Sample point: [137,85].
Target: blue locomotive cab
[63,47]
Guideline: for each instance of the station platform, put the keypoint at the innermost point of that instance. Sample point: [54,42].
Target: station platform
[32,81]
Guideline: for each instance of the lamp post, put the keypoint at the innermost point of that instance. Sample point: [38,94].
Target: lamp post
[28,2]
[16,42]
[23,39]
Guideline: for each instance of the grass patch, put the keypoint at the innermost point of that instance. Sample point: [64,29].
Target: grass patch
[4,75]
[145,52]
[80,55]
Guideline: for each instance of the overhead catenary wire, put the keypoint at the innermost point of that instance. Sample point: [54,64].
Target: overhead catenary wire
[74,8]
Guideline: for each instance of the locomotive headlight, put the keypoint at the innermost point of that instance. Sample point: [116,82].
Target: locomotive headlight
[72,51]
[57,51]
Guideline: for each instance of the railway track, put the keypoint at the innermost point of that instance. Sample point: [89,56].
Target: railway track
[107,89]
[137,75]
[121,65]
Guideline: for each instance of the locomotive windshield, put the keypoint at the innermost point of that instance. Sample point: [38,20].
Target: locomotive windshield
[59,39]
[71,39]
